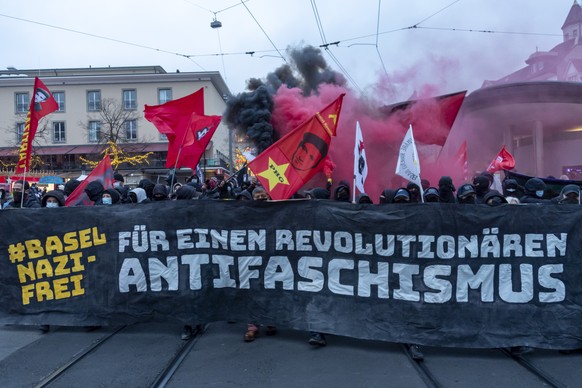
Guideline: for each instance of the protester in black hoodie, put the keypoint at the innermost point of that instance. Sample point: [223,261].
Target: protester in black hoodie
[94,191]
[342,192]
[446,190]
[160,192]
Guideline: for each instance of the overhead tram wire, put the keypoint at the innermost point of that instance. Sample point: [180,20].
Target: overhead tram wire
[264,32]
[326,45]
[437,12]
[377,31]
[102,37]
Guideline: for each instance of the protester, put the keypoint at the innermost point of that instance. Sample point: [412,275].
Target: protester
[446,190]
[387,196]
[119,185]
[342,192]
[22,198]
[160,192]
[512,189]
[94,191]
[414,191]
[534,191]
[138,195]
[402,195]
[110,197]
[431,195]
[494,198]
[570,195]
[467,194]
[186,192]
[70,186]
[3,198]
[482,184]
[363,198]
[53,198]
[148,186]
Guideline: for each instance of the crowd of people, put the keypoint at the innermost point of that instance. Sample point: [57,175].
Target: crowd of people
[479,191]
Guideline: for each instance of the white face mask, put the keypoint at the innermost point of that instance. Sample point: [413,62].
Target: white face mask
[106,201]
[540,193]
[116,184]
[52,204]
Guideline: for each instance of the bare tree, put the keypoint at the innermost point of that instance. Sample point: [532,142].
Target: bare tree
[113,118]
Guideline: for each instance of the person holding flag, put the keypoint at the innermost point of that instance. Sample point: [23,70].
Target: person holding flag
[288,164]
[360,163]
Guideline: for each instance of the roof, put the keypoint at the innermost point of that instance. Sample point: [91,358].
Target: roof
[574,16]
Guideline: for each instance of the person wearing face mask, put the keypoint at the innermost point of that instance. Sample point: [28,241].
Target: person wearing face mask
[110,197]
[467,195]
[534,191]
[446,190]
[53,198]
[119,185]
[21,197]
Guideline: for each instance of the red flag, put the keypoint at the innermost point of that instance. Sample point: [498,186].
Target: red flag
[202,129]
[290,162]
[461,160]
[503,161]
[431,118]
[103,172]
[173,120]
[41,104]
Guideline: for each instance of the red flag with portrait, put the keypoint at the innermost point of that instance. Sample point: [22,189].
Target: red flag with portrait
[288,164]
[41,104]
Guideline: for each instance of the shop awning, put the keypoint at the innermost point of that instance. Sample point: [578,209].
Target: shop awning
[50,179]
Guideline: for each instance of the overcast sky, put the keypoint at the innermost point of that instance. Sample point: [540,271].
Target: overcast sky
[73,33]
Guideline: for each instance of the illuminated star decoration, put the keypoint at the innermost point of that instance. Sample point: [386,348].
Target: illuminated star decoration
[275,174]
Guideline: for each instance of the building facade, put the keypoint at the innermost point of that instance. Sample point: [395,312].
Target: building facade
[95,102]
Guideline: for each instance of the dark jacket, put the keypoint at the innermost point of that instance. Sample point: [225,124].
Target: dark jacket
[58,194]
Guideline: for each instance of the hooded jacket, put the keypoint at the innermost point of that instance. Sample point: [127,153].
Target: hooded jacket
[58,194]
[94,190]
[140,195]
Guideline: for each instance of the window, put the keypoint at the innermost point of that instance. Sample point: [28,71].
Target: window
[93,100]
[164,95]
[59,132]
[94,131]
[130,99]
[22,102]
[130,129]
[60,99]
[19,131]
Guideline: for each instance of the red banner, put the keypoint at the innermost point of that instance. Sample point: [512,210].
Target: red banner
[41,104]
[103,172]
[173,119]
[293,160]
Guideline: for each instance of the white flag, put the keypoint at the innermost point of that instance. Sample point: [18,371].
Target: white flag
[360,163]
[408,165]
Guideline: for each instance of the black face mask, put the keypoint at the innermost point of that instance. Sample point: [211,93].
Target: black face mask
[17,195]
[569,201]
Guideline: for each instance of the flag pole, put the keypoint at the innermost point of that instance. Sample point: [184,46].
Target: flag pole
[23,186]
[178,156]
[354,190]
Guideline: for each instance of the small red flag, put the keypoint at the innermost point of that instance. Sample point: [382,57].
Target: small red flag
[103,172]
[461,161]
[173,119]
[503,161]
[293,160]
[41,104]
[201,129]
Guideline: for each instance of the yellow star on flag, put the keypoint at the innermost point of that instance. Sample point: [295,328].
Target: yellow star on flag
[275,174]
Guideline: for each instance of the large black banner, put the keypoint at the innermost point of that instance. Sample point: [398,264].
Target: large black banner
[432,274]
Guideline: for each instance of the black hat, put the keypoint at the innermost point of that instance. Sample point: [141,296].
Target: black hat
[481,182]
[511,185]
[431,191]
[118,177]
[535,184]
[568,189]
[71,185]
[446,182]
[466,190]
[402,193]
